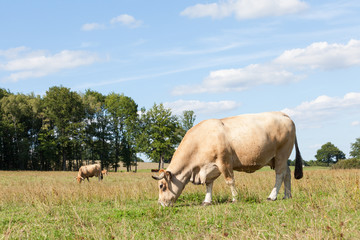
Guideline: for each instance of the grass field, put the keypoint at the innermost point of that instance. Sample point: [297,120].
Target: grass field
[51,205]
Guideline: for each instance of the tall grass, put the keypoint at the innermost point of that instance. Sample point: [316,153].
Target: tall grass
[51,205]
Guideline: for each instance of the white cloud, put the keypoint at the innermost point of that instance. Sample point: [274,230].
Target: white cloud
[315,146]
[38,64]
[12,52]
[324,107]
[291,66]
[322,55]
[245,9]
[92,26]
[240,79]
[355,123]
[126,20]
[199,107]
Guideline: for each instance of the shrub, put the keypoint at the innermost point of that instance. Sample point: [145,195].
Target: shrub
[347,164]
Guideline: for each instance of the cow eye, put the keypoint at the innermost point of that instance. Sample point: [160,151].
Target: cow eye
[162,186]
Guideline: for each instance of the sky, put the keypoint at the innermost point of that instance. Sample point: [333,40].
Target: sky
[217,58]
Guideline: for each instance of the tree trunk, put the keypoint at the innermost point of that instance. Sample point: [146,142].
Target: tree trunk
[64,160]
[161,163]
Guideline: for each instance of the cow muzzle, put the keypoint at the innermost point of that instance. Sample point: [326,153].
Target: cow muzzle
[165,204]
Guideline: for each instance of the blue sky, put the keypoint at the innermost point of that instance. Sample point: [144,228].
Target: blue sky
[218,58]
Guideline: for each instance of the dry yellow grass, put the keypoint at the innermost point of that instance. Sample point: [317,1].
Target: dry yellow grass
[50,205]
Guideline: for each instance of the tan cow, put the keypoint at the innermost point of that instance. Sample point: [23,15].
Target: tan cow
[104,172]
[89,171]
[219,146]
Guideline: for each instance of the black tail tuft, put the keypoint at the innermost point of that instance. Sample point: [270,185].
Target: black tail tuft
[298,174]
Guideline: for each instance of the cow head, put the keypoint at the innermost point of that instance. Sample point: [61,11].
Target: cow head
[168,190]
[79,179]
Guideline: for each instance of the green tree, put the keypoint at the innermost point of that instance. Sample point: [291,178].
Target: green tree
[65,110]
[17,120]
[187,120]
[96,128]
[355,149]
[160,133]
[4,135]
[123,115]
[34,123]
[329,153]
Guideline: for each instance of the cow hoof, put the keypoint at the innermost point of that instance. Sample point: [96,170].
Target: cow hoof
[206,204]
[269,199]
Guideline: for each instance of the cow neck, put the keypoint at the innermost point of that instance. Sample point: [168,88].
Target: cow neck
[182,174]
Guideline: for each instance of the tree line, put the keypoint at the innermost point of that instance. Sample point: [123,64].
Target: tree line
[329,154]
[63,128]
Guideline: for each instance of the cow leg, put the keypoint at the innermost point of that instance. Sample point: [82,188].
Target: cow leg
[234,193]
[282,171]
[88,179]
[230,181]
[208,196]
[278,182]
[287,183]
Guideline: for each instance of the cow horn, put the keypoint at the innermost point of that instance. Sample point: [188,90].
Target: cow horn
[161,176]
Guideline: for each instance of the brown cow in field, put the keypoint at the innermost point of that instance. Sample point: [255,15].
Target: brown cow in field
[104,172]
[89,171]
[243,143]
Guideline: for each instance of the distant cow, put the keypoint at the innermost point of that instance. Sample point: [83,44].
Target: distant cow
[104,172]
[219,146]
[89,171]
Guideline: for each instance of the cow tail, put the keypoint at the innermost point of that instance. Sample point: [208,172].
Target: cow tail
[298,174]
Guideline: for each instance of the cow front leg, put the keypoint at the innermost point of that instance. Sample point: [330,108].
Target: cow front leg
[231,182]
[208,196]
[278,182]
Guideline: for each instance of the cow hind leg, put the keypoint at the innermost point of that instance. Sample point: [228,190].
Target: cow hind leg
[280,178]
[287,183]
[278,181]
[282,171]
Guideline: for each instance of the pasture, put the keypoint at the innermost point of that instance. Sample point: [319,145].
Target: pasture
[51,205]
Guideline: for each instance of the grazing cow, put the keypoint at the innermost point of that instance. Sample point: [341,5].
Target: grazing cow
[104,172]
[243,143]
[89,171]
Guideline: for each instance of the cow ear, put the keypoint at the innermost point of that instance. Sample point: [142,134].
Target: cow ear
[168,175]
